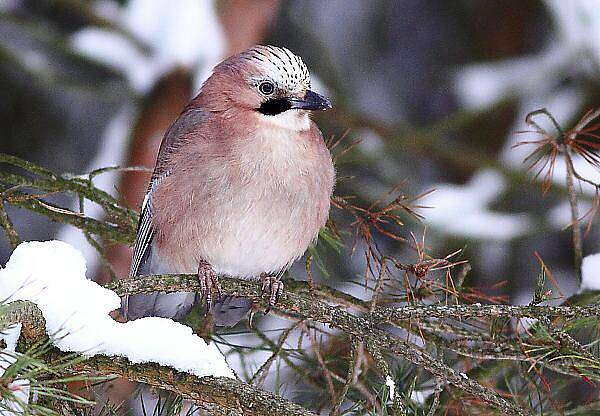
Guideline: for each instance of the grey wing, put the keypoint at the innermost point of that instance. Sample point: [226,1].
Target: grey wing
[186,122]
[138,306]
[141,262]
[145,233]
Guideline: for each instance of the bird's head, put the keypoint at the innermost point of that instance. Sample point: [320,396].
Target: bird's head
[267,80]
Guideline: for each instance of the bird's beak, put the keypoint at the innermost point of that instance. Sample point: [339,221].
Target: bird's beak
[311,101]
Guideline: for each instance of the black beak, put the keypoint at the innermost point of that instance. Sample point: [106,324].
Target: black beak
[311,101]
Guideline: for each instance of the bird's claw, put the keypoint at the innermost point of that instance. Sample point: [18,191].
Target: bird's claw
[209,282]
[273,286]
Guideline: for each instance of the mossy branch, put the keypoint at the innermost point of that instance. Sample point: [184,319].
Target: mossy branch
[300,303]
[119,228]
[310,308]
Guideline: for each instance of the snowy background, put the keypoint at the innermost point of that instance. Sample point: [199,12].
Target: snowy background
[435,90]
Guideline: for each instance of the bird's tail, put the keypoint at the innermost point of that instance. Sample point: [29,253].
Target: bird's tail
[227,310]
[164,305]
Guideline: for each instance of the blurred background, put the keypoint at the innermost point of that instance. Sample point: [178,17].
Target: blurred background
[435,91]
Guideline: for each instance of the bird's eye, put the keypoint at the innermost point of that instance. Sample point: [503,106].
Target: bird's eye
[266,88]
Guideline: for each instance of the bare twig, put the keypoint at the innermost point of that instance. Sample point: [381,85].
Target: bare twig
[436,400]
[384,369]
[575,224]
[9,229]
[353,362]
[264,368]
[326,373]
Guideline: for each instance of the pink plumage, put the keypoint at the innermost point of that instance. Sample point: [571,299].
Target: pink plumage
[242,182]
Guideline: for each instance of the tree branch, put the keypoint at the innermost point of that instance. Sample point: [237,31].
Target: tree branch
[297,299]
[309,308]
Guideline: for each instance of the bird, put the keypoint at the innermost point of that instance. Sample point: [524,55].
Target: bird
[241,187]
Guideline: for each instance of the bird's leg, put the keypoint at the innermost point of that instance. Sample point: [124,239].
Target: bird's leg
[274,286]
[208,282]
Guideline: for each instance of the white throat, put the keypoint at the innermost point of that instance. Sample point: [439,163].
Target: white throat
[294,120]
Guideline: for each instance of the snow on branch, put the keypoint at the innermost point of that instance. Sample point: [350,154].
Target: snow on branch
[76,310]
[45,291]
[225,392]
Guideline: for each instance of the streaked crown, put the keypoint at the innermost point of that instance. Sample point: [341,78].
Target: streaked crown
[281,66]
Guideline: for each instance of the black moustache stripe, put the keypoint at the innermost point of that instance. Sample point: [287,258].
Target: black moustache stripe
[274,106]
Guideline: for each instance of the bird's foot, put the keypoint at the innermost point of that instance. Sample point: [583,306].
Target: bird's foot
[274,286]
[209,282]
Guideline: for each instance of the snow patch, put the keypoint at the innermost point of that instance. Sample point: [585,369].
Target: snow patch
[523,324]
[10,336]
[574,46]
[187,35]
[391,384]
[421,396]
[52,275]
[590,272]
[19,387]
[461,210]
[370,143]
[578,25]
[481,85]
[10,6]
[559,217]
